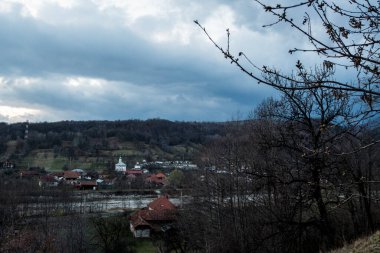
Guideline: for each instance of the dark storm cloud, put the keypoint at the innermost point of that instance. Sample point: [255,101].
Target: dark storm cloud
[147,67]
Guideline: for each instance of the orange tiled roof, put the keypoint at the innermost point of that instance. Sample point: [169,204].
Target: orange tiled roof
[152,215]
[159,210]
[161,203]
[134,172]
[159,178]
[139,221]
[71,174]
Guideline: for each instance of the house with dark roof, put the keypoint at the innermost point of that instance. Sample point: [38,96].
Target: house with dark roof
[87,185]
[30,174]
[157,217]
[48,181]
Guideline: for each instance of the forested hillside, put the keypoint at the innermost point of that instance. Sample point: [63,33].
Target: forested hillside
[96,144]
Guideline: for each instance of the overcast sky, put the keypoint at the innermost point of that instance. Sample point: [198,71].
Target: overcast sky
[129,59]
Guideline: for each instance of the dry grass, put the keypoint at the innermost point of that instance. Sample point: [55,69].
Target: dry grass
[369,244]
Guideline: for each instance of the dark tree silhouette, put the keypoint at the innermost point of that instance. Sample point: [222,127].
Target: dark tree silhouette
[295,176]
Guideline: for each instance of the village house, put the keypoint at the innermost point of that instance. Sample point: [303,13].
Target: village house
[71,177]
[158,179]
[80,171]
[30,174]
[87,185]
[58,175]
[159,216]
[134,172]
[105,183]
[48,181]
[137,166]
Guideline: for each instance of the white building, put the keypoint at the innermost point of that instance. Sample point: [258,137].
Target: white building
[137,166]
[120,166]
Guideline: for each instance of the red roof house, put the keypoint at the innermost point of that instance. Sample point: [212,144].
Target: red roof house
[158,214]
[57,174]
[157,179]
[134,172]
[161,203]
[71,176]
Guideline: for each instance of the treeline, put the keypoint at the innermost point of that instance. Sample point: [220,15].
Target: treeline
[91,135]
[303,175]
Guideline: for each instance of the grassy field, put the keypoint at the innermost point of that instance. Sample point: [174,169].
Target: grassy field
[139,245]
[144,246]
[46,159]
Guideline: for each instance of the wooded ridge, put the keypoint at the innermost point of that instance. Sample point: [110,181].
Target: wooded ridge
[95,143]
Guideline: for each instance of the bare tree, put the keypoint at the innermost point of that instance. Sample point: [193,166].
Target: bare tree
[110,234]
[351,43]
[315,166]
[280,178]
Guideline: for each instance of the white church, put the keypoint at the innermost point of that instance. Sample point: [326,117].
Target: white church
[120,166]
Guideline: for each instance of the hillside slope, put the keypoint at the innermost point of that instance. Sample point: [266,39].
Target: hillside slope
[369,244]
[98,144]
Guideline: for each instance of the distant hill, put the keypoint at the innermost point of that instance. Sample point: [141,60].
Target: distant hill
[98,144]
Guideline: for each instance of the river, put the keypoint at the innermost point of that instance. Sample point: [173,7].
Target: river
[91,202]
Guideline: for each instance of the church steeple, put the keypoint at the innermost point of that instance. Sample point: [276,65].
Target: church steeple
[120,166]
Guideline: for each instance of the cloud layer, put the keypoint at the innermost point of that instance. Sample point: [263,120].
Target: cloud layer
[121,59]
